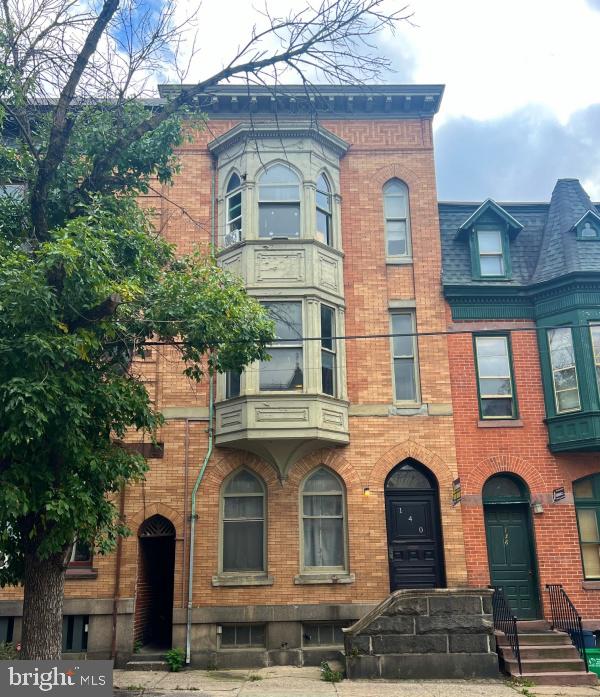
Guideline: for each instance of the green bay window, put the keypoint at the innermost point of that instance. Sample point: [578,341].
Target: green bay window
[494,378]
[595,332]
[564,372]
[587,506]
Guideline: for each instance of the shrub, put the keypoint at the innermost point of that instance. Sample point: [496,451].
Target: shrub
[175,658]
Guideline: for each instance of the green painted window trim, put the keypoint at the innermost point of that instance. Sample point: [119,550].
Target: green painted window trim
[515,403]
[475,255]
[588,504]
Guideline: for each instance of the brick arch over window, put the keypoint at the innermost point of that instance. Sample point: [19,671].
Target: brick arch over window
[397,171]
[328,458]
[220,469]
[400,452]
[135,521]
[473,483]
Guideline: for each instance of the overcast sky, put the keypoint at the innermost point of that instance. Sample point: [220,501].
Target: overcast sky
[522,100]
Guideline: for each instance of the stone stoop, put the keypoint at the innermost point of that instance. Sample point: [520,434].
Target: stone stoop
[425,633]
[548,657]
[147,661]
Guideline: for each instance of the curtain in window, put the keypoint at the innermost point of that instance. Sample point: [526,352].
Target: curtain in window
[243,523]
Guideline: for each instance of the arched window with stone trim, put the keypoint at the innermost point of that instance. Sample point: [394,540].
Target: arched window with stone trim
[397,219]
[323,513]
[324,211]
[243,530]
[233,211]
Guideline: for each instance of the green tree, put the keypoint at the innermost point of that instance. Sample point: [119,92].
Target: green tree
[86,283]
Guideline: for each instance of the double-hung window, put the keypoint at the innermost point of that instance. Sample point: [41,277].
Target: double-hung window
[490,253]
[494,378]
[285,369]
[81,555]
[595,333]
[233,380]
[328,350]
[324,232]
[323,527]
[404,351]
[587,505]
[279,203]
[395,208]
[564,372]
[233,224]
[243,515]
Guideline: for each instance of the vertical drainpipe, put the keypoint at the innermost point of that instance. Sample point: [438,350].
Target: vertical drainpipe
[209,449]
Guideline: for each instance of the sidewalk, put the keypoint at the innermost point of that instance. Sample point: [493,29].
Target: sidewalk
[306,682]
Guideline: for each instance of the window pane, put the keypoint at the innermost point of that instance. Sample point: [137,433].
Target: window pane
[244,483]
[287,318]
[491,266]
[323,227]
[591,560]
[257,635]
[396,237]
[283,371]
[583,489]
[328,372]
[81,553]
[228,636]
[493,366]
[322,505]
[568,400]
[490,242]
[279,180]
[279,220]
[243,546]
[490,387]
[322,481]
[232,384]
[407,477]
[323,194]
[588,525]
[242,635]
[503,486]
[491,346]
[404,379]
[402,345]
[323,542]
[234,206]
[243,507]
[496,408]
[394,206]
[565,379]
[327,327]
[233,183]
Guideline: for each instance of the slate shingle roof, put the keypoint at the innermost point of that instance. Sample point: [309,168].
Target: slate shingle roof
[546,248]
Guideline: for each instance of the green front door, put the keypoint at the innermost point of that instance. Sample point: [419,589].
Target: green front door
[510,556]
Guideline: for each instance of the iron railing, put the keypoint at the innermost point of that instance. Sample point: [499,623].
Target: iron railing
[506,622]
[566,618]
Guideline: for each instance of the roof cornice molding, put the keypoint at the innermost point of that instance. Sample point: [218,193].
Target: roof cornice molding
[252,131]
[327,101]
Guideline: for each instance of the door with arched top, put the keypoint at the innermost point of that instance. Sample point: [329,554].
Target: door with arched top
[510,547]
[414,531]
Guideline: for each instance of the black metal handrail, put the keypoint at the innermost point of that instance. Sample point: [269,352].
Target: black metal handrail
[566,618]
[506,622]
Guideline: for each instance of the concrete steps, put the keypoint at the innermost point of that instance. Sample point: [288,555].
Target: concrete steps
[147,661]
[548,657]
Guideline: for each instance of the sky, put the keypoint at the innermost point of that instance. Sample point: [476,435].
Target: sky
[522,101]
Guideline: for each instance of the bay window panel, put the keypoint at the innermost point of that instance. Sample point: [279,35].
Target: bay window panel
[283,371]
[328,373]
[328,351]
[232,384]
[564,372]
[595,332]
[279,220]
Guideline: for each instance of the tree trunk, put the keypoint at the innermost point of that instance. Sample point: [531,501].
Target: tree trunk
[43,608]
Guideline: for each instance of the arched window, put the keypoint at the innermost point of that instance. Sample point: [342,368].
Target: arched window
[243,515]
[505,488]
[587,505]
[323,522]
[397,219]
[233,206]
[408,475]
[324,229]
[279,203]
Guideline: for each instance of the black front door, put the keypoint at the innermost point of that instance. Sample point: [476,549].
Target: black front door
[414,539]
[511,559]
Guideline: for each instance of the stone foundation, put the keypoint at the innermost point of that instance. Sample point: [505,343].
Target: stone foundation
[441,633]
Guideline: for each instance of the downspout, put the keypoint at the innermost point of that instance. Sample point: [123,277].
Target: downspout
[113,646]
[209,449]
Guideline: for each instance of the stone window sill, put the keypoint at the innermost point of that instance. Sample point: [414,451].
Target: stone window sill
[242,580]
[400,261]
[309,579]
[500,423]
[81,573]
[591,585]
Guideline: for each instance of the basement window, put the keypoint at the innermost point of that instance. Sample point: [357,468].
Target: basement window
[323,634]
[75,633]
[243,636]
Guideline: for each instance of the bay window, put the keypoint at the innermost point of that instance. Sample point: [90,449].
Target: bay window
[328,350]
[279,203]
[564,372]
[285,370]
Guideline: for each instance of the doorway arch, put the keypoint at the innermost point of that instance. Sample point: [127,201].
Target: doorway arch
[510,547]
[414,531]
[154,588]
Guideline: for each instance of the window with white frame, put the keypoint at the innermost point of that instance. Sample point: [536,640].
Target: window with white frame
[324,211]
[404,351]
[328,351]
[564,372]
[397,221]
[243,520]
[491,253]
[323,522]
[233,209]
[279,202]
[285,369]
[495,382]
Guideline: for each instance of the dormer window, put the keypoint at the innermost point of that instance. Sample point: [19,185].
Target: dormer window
[490,250]
[279,203]
[233,225]
[588,227]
